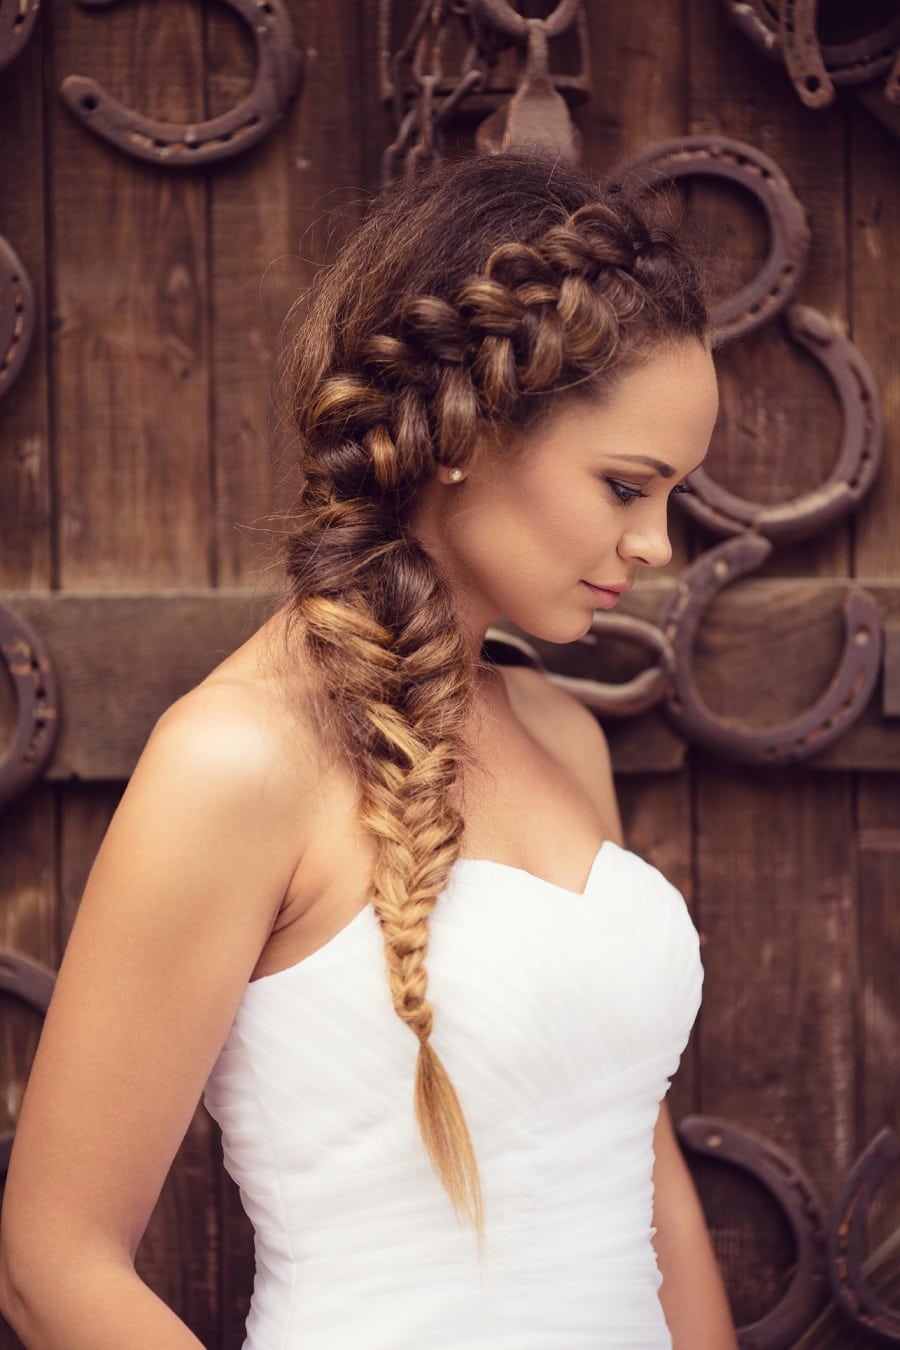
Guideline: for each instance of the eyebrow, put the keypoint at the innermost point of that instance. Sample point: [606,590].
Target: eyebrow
[659,466]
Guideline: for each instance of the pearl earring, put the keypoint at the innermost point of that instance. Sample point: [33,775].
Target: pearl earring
[455,475]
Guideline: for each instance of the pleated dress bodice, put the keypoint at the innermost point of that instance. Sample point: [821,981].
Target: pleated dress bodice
[560,1017]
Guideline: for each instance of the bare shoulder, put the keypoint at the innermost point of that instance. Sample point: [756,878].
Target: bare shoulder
[567,730]
[241,729]
[225,786]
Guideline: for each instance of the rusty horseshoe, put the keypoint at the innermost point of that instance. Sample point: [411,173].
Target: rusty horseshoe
[845,1239]
[16,316]
[803,54]
[31,982]
[627,699]
[846,63]
[723,157]
[829,717]
[858,463]
[38,720]
[16,22]
[185,145]
[798,1199]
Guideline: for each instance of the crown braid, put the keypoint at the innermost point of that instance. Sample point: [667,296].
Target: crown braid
[471,298]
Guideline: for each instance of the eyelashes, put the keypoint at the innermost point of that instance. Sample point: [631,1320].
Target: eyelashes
[624,493]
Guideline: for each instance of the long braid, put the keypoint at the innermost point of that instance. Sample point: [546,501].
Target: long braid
[408,357]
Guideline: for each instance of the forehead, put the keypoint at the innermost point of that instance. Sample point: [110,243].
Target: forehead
[668,403]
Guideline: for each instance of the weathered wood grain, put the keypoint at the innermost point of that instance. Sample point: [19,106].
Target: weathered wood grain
[25,548]
[778,427]
[767,649]
[775,890]
[28,855]
[131,394]
[130,345]
[874,228]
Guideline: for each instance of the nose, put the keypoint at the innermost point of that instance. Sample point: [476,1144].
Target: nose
[647,542]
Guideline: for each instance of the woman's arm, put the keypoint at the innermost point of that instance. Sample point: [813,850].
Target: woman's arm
[692,1293]
[179,902]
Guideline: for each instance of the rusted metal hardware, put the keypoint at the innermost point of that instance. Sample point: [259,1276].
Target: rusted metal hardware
[537,114]
[415,82]
[803,54]
[829,717]
[185,145]
[634,696]
[854,62]
[846,1235]
[796,1196]
[857,465]
[17,19]
[424,95]
[32,982]
[769,292]
[38,719]
[16,316]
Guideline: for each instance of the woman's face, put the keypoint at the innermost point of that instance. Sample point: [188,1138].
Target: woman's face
[582,502]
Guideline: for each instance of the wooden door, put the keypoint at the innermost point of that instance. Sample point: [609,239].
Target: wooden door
[140,470]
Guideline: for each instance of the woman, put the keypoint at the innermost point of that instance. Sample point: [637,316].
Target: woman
[367,888]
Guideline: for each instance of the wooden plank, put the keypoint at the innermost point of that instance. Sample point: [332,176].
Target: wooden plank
[145,649]
[778,430]
[774,886]
[28,855]
[25,557]
[776,904]
[875,221]
[132,433]
[132,440]
[276,214]
[879,960]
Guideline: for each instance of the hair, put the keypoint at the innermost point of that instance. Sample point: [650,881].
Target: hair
[470,302]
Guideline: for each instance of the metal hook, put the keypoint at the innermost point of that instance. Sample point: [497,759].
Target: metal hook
[858,463]
[633,696]
[845,1239]
[38,722]
[798,1200]
[179,145]
[17,312]
[829,717]
[32,982]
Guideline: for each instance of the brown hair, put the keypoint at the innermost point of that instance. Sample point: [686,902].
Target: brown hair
[473,298]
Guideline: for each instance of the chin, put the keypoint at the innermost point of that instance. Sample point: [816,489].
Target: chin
[560,630]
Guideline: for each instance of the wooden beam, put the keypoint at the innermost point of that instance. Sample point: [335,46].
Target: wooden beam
[766,650]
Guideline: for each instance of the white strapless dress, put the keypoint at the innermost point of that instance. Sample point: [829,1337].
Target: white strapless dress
[560,1018]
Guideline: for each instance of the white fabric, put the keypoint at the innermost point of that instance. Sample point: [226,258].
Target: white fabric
[560,1018]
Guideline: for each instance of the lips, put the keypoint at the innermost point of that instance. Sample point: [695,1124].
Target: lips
[605,597]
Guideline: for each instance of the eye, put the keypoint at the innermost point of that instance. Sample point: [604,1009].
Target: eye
[622,492]
[682,487]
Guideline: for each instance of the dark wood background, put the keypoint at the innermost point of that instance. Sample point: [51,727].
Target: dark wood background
[140,468]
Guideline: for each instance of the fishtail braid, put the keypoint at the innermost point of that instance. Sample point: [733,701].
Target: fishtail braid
[472,299]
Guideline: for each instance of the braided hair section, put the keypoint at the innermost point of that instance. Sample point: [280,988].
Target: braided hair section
[468,305]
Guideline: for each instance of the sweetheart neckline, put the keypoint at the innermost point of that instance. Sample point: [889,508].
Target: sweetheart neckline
[533,876]
[459,862]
